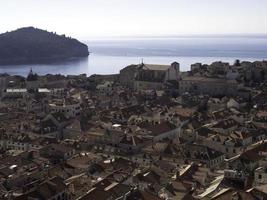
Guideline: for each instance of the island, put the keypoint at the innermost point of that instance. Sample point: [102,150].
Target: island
[33,45]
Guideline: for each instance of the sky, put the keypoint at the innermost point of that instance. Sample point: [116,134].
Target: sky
[107,18]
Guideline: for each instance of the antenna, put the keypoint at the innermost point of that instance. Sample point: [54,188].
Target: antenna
[142,61]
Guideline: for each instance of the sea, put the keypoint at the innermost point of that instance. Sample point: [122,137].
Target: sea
[110,55]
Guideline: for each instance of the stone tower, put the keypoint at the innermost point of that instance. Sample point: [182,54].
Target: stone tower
[173,73]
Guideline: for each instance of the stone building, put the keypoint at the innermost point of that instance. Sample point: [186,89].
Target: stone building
[127,76]
[196,67]
[32,82]
[2,84]
[148,76]
[210,86]
[260,70]
[71,108]
[219,67]
[153,77]
[256,71]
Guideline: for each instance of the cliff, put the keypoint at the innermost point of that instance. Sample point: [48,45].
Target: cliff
[30,44]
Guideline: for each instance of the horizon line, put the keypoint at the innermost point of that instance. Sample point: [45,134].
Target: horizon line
[184,35]
[196,35]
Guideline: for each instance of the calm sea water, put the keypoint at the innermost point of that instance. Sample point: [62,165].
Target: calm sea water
[108,56]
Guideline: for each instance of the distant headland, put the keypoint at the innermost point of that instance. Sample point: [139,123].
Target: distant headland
[33,45]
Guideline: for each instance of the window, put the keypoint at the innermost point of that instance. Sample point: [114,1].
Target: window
[259,176]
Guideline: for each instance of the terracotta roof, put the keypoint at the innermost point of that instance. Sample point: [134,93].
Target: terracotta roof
[159,128]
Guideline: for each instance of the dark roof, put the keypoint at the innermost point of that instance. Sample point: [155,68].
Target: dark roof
[60,117]
[119,190]
[131,140]
[253,154]
[48,126]
[179,185]
[200,152]
[133,110]
[45,190]
[171,149]
[149,176]
[233,194]
[96,193]
[32,76]
[142,195]
[159,128]
[203,131]
[225,124]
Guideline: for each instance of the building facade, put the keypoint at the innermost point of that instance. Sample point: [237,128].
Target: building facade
[210,86]
[153,77]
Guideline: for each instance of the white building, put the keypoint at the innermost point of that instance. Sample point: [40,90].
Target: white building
[18,145]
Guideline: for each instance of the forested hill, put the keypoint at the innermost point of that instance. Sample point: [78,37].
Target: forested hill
[32,45]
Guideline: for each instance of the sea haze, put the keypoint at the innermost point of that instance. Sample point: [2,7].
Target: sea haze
[108,56]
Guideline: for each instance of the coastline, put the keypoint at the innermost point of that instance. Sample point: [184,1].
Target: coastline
[44,60]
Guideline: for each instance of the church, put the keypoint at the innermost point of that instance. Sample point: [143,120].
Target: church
[153,77]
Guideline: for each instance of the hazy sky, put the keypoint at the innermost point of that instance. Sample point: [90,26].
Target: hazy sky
[89,18]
